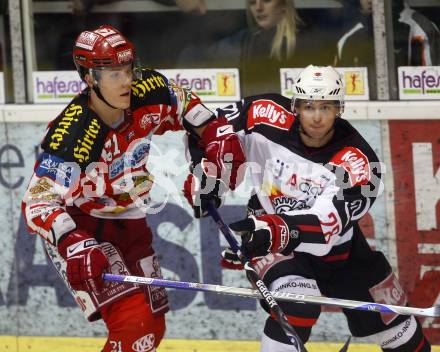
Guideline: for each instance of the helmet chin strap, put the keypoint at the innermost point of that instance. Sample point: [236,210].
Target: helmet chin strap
[100,96]
[98,91]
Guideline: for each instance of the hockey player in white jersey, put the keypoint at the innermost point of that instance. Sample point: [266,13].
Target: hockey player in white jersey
[314,178]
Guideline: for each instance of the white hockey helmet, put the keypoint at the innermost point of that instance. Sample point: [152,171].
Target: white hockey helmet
[319,83]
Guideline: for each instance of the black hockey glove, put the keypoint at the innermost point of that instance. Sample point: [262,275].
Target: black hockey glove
[200,189]
[266,234]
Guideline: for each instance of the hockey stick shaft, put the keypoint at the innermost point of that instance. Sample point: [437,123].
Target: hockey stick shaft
[253,276]
[280,296]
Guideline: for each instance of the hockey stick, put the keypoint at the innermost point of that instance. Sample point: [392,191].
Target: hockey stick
[252,275]
[281,296]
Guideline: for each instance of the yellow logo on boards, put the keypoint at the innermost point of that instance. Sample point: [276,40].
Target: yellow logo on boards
[354,83]
[225,84]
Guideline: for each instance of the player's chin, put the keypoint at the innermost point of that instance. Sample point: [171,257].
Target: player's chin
[317,133]
[123,102]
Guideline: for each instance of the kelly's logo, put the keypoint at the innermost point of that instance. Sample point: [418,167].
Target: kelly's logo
[64,124]
[355,163]
[268,113]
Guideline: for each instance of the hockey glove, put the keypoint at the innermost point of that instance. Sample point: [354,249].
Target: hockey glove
[230,260]
[86,262]
[223,149]
[200,189]
[266,234]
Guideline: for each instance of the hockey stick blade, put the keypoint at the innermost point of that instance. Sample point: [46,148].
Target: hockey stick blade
[280,296]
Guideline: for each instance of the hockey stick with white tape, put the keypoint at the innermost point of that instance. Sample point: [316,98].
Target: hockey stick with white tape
[280,296]
[253,276]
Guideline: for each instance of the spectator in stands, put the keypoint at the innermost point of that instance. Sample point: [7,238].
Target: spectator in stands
[268,42]
[355,48]
[416,38]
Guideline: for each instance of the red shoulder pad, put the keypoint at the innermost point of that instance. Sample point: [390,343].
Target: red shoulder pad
[355,163]
[268,112]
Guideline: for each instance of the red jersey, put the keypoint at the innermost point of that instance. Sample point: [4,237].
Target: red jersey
[103,170]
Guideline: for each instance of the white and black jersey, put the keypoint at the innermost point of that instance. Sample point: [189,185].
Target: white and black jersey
[325,190]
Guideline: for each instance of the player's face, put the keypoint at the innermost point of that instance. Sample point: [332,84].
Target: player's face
[115,85]
[267,13]
[366,6]
[317,118]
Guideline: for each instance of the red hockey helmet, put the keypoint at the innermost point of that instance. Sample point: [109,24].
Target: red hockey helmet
[101,48]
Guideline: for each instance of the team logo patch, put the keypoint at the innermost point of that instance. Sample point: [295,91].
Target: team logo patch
[125,56]
[269,113]
[358,208]
[56,169]
[284,204]
[42,190]
[149,119]
[116,40]
[317,76]
[129,160]
[355,163]
[87,40]
[105,32]
[144,344]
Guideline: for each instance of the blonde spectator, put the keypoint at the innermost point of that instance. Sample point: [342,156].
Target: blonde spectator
[268,42]
[279,14]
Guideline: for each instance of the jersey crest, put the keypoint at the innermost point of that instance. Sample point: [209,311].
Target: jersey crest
[268,112]
[355,163]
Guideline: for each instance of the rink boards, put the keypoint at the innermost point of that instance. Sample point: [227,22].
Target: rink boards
[63,344]
[403,223]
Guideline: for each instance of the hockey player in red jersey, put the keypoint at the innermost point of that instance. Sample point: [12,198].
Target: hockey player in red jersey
[314,177]
[89,192]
